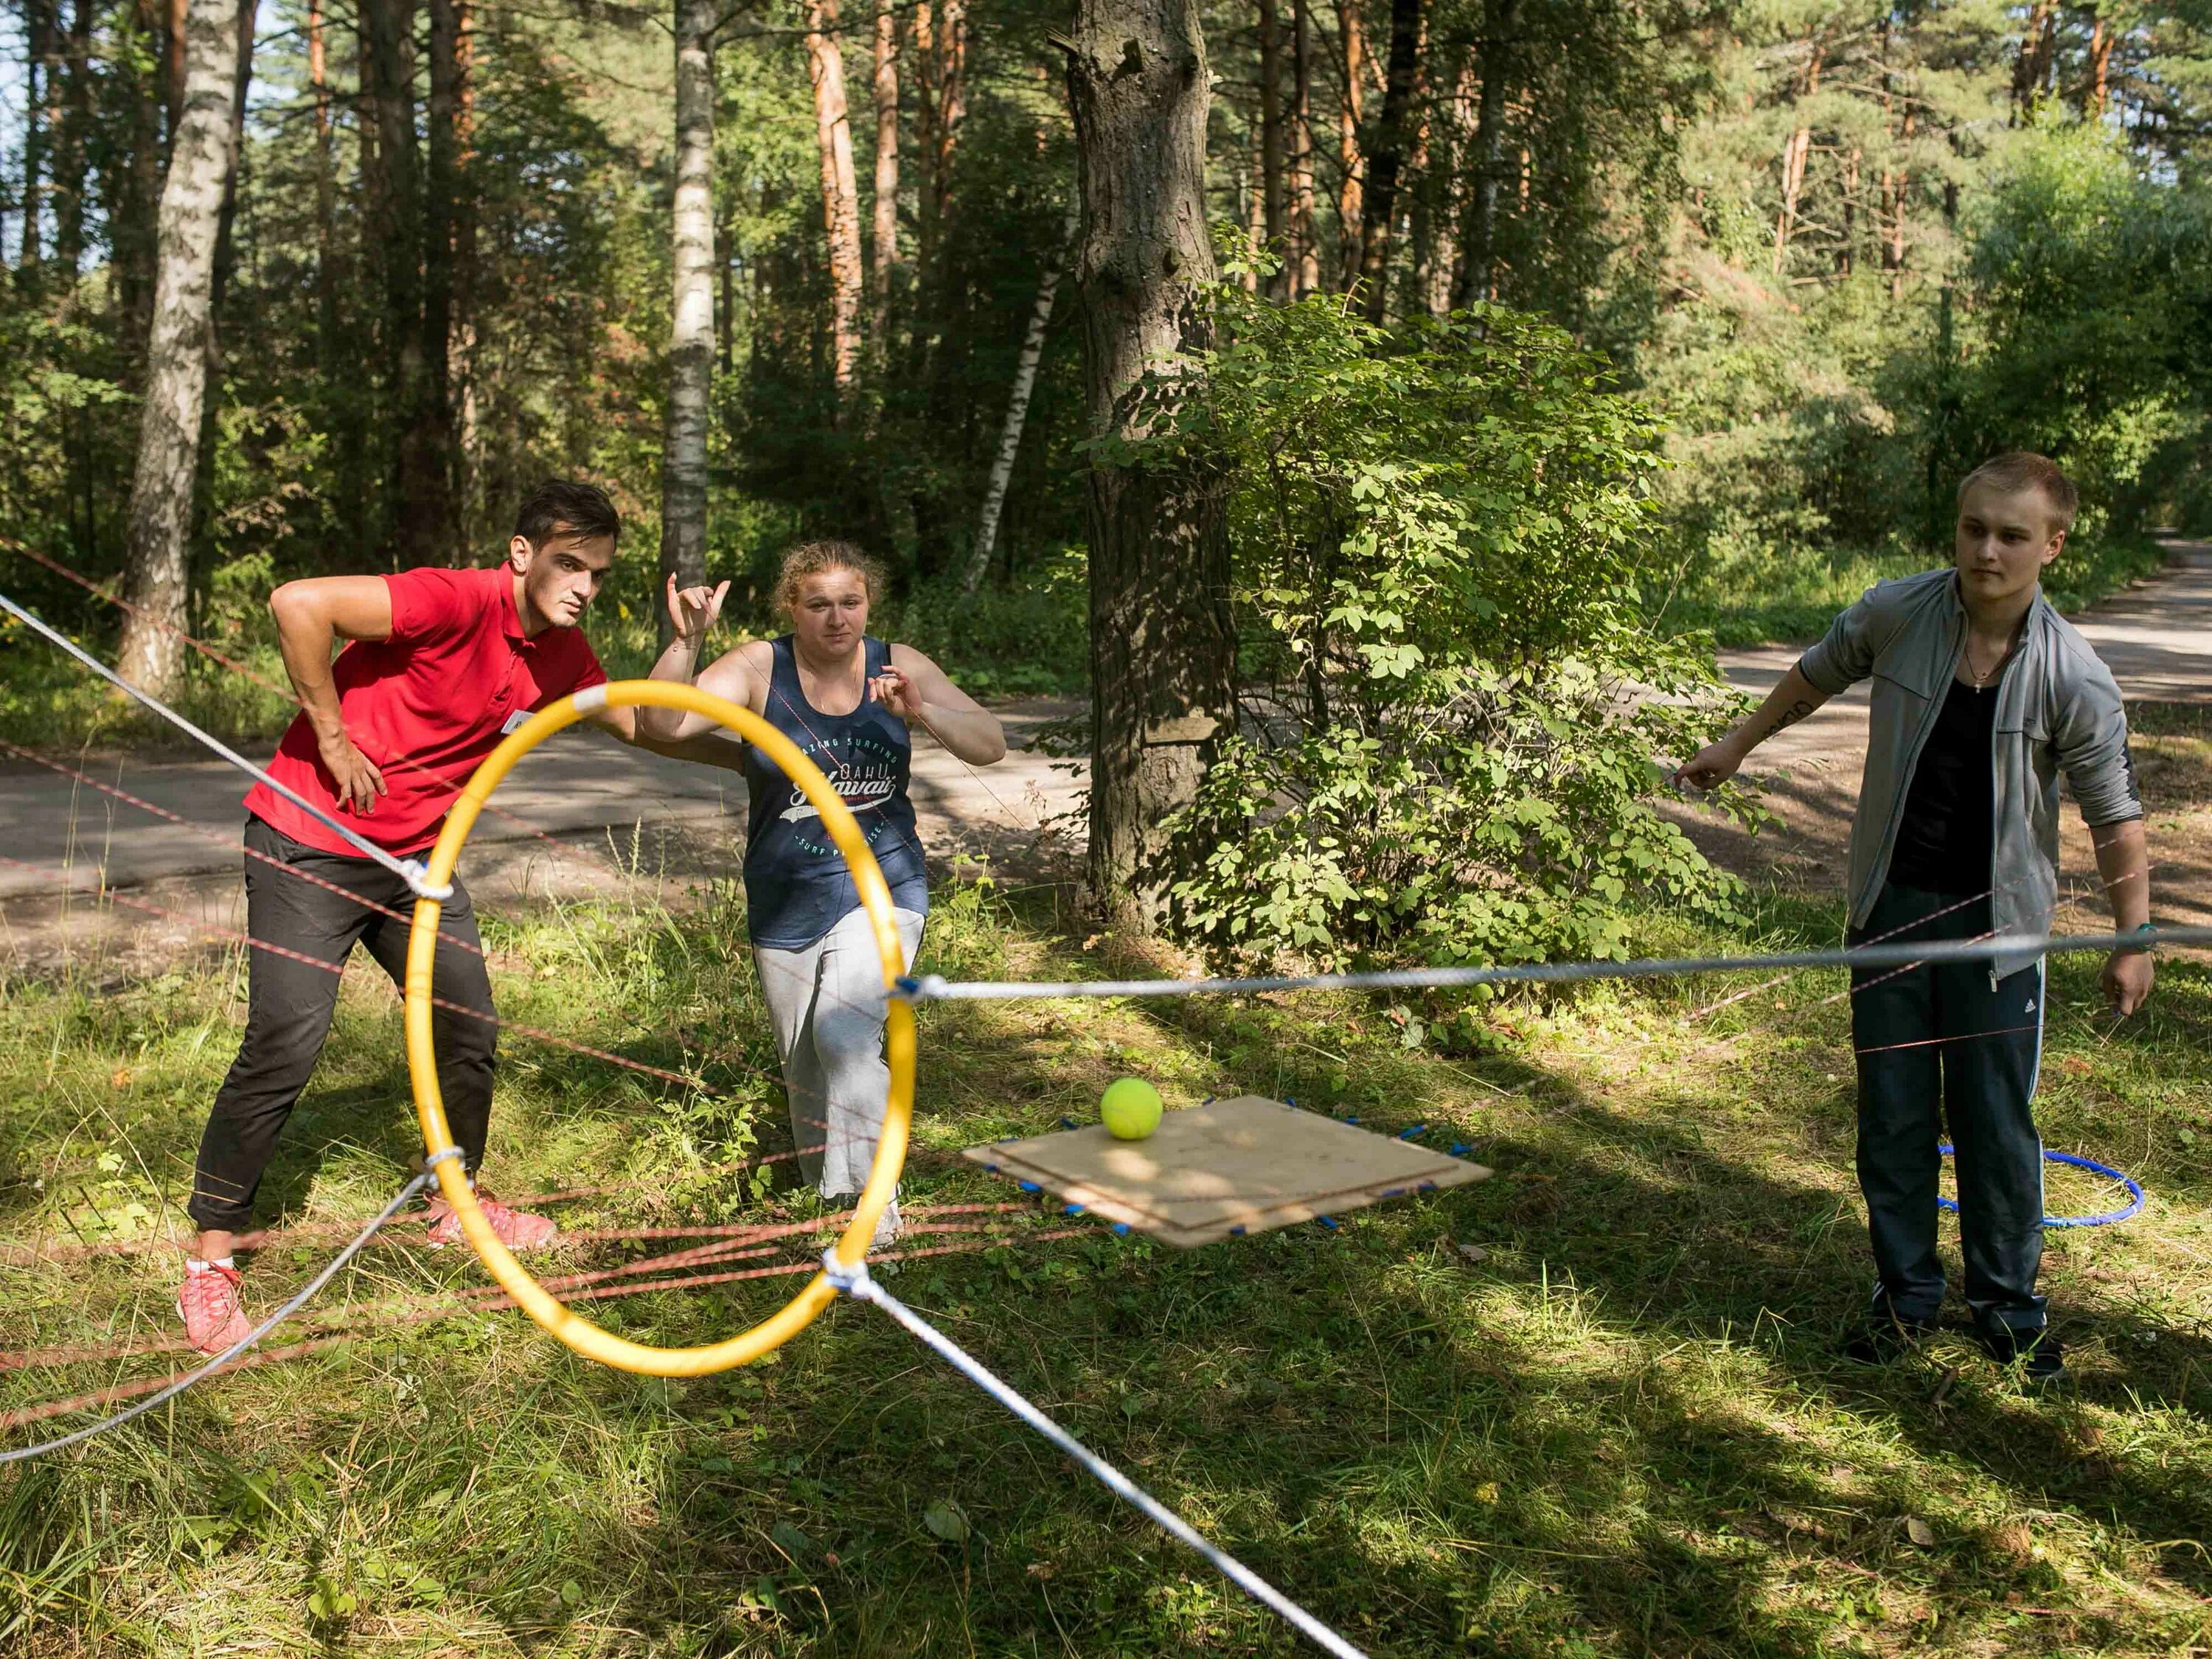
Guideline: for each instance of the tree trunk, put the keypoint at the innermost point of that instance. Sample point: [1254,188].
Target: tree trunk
[691,338]
[415,492]
[226,255]
[1018,408]
[1305,266]
[1163,643]
[925,101]
[2100,68]
[132,230]
[1271,143]
[1846,251]
[1447,272]
[1417,182]
[840,193]
[941,43]
[318,84]
[1900,196]
[37,73]
[437,528]
[226,252]
[176,62]
[951,42]
[1386,156]
[469,452]
[1350,198]
[1255,211]
[154,573]
[1795,153]
[885,237]
[71,157]
[2032,69]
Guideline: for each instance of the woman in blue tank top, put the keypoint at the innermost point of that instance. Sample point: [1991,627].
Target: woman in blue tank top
[845,699]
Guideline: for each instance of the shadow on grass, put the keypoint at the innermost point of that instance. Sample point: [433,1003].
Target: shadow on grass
[1429,1474]
[1620,1432]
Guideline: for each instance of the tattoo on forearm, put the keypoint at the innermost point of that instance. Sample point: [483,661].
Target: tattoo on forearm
[1789,716]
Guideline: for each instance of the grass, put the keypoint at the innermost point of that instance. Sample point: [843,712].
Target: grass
[1588,1408]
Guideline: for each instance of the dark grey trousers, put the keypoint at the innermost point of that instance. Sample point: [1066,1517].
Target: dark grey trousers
[289,1003]
[1941,1047]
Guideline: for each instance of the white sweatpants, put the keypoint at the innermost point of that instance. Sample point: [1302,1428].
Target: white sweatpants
[827,1005]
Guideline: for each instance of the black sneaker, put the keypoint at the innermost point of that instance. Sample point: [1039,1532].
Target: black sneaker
[1885,1338]
[2042,1355]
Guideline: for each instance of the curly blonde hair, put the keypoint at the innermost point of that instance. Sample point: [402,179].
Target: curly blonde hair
[813,558]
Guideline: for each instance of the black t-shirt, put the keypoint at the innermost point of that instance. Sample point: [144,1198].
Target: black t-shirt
[1944,844]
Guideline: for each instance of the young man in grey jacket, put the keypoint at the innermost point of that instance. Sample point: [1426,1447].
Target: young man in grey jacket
[1983,693]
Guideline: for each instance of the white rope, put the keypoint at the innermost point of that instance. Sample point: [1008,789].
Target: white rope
[410,871]
[856,1283]
[930,987]
[298,1302]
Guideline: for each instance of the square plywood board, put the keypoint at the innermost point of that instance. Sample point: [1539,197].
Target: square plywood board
[1225,1169]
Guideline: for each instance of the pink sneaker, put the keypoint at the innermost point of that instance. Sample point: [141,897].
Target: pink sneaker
[207,1304]
[517,1229]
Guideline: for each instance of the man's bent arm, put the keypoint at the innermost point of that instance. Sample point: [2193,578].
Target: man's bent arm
[712,747]
[312,616]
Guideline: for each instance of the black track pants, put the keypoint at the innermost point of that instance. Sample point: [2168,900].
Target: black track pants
[1945,1035]
[291,1003]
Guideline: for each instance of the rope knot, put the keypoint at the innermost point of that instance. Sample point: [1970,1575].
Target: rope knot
[417,875]
[853,1281]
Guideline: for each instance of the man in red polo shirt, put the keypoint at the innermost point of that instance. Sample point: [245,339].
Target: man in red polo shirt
[438,665]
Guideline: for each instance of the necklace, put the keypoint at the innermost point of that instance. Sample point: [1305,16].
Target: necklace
[1981,679]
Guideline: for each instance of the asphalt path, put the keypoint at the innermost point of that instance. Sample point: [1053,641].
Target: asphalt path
[593,794]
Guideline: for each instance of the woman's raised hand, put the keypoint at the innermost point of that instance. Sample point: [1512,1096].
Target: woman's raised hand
[693,610]
[897,693]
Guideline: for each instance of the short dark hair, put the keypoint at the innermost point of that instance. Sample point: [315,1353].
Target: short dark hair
[561,504]
[2023,469]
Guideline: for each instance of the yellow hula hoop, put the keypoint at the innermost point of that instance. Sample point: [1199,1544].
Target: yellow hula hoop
[578,1332]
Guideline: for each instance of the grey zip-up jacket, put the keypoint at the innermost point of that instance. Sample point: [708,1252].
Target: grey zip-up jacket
[2058,708]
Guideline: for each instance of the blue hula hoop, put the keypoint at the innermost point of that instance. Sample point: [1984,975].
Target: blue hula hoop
[2133,1186]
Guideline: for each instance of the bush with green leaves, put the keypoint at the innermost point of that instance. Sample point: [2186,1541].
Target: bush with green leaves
[1450,708]
[2091,284]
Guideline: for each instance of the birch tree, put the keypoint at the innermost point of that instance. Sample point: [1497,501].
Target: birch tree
[1480,237]
[200,162]
[1018,409]
[692,333]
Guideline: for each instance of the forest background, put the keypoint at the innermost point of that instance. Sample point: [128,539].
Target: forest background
[1761,280]
[1841,250]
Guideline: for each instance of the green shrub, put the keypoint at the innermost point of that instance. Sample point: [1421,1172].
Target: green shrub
[1451,706]
[1030,639]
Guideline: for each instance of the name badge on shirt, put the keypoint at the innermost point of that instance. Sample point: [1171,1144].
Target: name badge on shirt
[514,722]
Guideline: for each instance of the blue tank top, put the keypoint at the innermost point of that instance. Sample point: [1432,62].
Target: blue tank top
[797,886]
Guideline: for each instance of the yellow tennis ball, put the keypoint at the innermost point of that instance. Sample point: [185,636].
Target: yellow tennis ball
[1131,1108]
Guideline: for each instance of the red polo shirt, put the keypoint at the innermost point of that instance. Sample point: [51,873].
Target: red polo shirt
[426,706]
